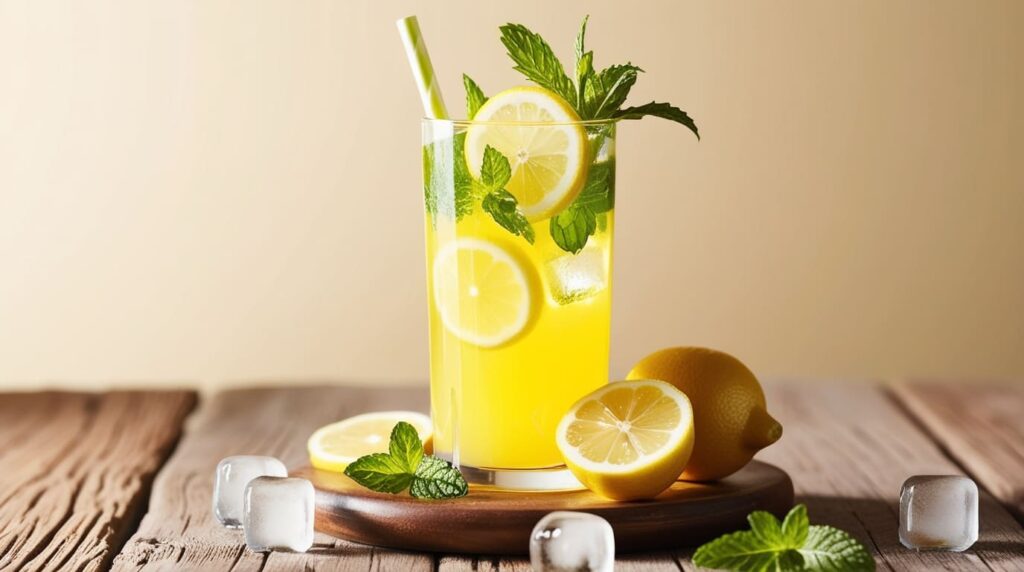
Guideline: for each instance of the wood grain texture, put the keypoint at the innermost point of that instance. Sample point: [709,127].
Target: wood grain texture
[849,448]
[76,470]
[179,531]
[981,426]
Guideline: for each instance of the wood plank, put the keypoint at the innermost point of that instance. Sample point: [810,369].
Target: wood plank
[981,426]
[849,448]
[77,468]
[180,533]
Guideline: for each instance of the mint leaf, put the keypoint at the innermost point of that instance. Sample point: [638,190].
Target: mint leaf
[474,96]
[608,90]
[663,110]
[495,171]
[405,446]
[827,549]
[580,39]
[535,59]
[405,467]
[598,194]
[584,64]
[380,472]
[794,528]
[504,209]
[745,551]
[437,479]
[794,545]
[572,227]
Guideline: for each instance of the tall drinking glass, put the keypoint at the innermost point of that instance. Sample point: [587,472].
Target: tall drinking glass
[519,319]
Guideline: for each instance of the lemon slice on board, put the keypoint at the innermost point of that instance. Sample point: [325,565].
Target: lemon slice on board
[549,162]
[334,446]
[629,439]
[482,293]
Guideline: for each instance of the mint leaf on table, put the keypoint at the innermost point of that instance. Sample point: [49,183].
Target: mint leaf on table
[380,472]
[535,59]
[437,479]
[405,446]
[475,97]
[405,466]
[662,110]
[792,546]
[495,172]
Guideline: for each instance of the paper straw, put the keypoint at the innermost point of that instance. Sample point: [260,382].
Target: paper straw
[422,69]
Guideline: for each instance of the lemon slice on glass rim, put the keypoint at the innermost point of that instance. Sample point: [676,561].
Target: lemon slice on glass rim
[540,135]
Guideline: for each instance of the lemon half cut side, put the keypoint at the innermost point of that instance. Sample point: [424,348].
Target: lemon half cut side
[629,439]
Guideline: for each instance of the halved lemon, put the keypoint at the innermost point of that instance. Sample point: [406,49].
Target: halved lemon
[549,162]
[332,447]
[482,293]
[629,439]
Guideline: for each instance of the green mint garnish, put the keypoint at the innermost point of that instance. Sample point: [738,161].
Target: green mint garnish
[535,59]
[571,228]
[474,96]
[793,545]
[502,205]
[594,95]
[437,479]
[448,186]
[405,466]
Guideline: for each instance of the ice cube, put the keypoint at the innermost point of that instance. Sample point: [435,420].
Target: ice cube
[575,277]
[233,473]
[278,514]
[564,541]
[939,513]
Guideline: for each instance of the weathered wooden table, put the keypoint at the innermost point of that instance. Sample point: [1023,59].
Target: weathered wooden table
[122,480]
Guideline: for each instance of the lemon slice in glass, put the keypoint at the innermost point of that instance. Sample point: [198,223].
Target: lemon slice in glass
[482,293]
[629,439]
[539,134]
[334,446]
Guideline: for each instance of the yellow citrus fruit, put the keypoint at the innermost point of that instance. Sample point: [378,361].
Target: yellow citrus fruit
[729,412]
[473,273]
[540,135]
[629,439]
[332,447]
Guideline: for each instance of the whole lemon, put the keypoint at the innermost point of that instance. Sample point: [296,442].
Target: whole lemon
[731,422]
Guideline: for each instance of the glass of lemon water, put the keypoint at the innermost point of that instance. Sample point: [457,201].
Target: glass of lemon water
[519,224]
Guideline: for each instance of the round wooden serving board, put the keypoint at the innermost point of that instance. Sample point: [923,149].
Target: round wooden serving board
[489,521]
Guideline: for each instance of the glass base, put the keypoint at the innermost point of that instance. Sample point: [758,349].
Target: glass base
[551,479]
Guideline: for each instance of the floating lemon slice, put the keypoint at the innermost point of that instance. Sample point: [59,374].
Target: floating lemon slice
[629,439]
[549,165]
[483,294]
[334,446]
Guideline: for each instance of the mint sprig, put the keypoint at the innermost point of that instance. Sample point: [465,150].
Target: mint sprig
[474,96]
[495,173]
[405,466]
[535,59]
[794,545]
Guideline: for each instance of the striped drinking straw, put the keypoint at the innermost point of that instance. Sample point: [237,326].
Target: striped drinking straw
[422,69]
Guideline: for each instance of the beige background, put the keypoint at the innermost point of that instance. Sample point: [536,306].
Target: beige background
[222,191]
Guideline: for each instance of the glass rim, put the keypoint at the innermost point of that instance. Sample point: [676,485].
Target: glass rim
[470,122]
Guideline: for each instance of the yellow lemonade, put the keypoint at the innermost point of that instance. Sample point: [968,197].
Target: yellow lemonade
[519,321]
